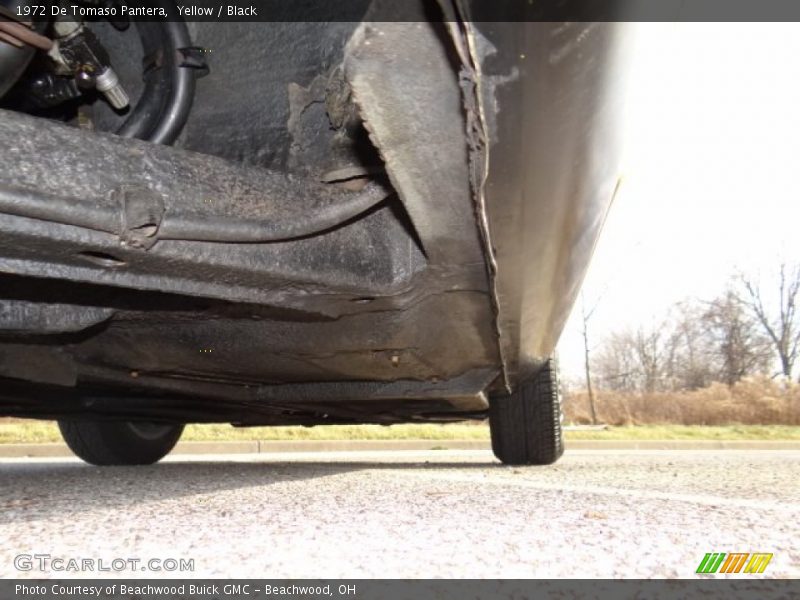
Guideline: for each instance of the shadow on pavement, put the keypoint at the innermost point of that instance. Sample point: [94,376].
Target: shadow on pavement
[31,491]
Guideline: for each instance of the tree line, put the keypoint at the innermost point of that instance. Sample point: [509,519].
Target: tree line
[751,328]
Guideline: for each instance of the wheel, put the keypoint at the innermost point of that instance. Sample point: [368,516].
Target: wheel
[526,426]
[105,443]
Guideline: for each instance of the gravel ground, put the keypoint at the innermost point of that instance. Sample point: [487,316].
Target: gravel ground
[408,514]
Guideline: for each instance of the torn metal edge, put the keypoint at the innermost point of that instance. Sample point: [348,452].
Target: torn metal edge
[463,36]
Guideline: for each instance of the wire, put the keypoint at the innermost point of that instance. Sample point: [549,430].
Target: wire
[21,33]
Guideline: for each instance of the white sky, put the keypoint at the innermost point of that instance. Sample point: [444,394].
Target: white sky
[711,172]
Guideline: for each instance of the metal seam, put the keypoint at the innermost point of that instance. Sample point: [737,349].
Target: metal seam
[474,72]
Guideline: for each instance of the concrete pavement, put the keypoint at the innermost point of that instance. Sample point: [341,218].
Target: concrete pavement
[446,513]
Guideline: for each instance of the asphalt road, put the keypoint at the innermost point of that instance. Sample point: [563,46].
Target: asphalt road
[408,514]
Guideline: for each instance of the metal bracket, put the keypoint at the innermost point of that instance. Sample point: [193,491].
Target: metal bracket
[193,57]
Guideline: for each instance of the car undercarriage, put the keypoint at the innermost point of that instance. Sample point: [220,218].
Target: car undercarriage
[303,221]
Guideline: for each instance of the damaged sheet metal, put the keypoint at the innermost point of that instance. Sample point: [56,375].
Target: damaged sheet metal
[404,76]
[551,96]
[477,132]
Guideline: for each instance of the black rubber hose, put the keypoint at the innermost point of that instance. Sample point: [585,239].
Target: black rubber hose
[145,115]
[205,228]
[182,92]
[166,100]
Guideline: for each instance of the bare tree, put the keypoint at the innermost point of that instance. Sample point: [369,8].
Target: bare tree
[655,351]
[696,344]
[781,324]
[636,360]
[738,346]
[694,364]
[585,316]
[616,363]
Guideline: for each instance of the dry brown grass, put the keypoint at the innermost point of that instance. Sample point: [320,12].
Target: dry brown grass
[27,431]
[752,401]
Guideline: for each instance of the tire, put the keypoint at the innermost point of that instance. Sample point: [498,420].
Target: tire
[105,443]
[526,426]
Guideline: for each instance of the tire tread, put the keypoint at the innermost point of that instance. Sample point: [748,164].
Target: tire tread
[526,426]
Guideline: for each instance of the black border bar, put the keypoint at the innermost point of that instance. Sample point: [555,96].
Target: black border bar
[745,587]
[474,10]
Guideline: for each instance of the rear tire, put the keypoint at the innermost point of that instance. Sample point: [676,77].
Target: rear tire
[526,426]
[105,443]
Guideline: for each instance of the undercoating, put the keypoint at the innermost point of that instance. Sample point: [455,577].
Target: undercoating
[385,317]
